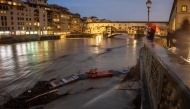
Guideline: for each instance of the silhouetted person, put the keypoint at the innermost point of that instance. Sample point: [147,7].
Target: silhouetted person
[182,36]
[169,38]
[151,34]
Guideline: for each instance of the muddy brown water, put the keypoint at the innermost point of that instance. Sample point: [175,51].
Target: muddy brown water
[23,64]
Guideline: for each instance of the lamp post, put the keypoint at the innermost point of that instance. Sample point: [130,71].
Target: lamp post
[148,4]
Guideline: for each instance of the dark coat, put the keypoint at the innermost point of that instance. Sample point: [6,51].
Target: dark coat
[181,36]
[151,34]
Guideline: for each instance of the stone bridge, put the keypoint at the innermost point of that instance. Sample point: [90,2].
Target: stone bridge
[114,34]
[165,82]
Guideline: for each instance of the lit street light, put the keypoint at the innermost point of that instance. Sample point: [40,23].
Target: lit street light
[148,4]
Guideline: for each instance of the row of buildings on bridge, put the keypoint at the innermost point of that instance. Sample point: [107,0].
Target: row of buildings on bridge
[37,17]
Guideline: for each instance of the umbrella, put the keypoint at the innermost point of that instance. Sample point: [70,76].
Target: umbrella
[153,26]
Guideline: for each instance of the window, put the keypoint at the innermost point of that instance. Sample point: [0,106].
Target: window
[3,12]
[11,13]
[11,18]
[10,3]
[1,17]
[12,23]
[14,3]
[12,28]
[184,8]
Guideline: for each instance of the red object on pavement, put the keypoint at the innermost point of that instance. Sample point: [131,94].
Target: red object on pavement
[94,74]
[153,26]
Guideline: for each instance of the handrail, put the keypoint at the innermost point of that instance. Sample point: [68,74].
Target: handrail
[168,82]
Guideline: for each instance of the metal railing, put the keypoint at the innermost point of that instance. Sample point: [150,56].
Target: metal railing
[168,82]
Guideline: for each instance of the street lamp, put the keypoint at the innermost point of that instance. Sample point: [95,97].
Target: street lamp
[148,4]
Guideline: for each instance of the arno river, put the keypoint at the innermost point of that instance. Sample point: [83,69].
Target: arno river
[23,64]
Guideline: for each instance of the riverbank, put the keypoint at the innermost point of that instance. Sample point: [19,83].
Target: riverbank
[26,38]
[80,36]
[118,92]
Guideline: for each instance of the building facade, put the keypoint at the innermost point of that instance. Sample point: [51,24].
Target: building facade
[59,20]
[180,11]
[33,17]
[123,27]
[36,17]
[77,24]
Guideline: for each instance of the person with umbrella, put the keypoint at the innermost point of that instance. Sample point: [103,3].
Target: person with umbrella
[151,34]
[153,28]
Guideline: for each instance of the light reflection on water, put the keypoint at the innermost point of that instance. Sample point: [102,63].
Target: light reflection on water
[23,64]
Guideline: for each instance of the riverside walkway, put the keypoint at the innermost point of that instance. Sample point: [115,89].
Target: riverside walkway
[168,81]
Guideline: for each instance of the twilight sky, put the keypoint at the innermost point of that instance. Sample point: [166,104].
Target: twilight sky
[119,10]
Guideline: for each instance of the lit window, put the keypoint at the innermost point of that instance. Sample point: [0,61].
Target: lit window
[184,8]
[9,3]
[14,3]
[47,8]
[29,23]
[2,1]
[4,11]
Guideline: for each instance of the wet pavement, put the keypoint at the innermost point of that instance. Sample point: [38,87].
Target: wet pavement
[23,64]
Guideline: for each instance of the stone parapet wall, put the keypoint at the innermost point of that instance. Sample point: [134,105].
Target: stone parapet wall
[167,81]
[25,38]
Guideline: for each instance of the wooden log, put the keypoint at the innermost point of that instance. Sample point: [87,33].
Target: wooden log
[42,94]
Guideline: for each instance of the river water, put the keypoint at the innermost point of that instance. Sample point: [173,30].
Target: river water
[23,64]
